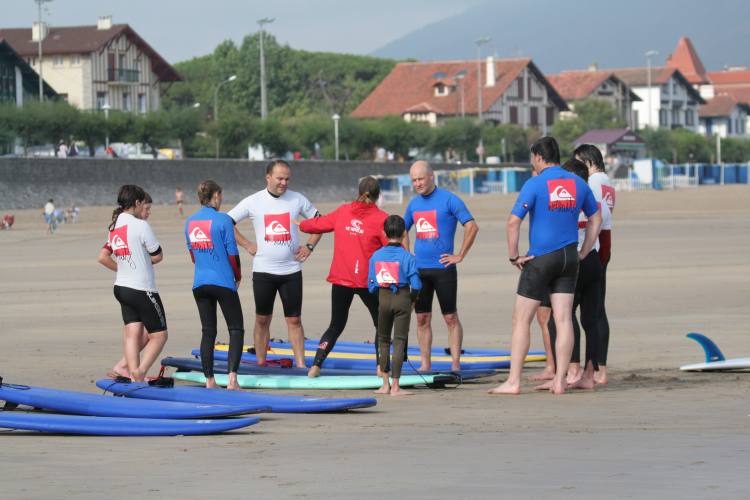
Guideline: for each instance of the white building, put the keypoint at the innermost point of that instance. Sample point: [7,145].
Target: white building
[725,116]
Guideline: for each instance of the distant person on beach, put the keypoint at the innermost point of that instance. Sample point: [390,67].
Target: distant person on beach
[7,222]
[357,232]
[179,199]
[278,255]
[393,275]
[136,250]
[62,150]
[553,200]
[209,235]
[435,212]
[49,216]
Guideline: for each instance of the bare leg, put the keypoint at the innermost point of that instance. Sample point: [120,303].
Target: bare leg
[233,385]
[211,383]
[121,367]
[297,339]
[601,376]
[396,390]
[314,371]
[131,334]
[523,313]
[542,317]
[261,336]
[562,311]
[574,373]
[424,336]
[386,387]
[455,339]
[152,350]
[586,380]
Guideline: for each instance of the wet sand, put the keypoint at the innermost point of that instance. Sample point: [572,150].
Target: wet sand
[680,264]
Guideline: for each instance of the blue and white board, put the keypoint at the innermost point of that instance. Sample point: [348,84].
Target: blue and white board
[715,359]
[369,347]
[278,403]
[112,426]
[81,403]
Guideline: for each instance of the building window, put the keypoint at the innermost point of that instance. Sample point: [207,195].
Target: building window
[519,86]
[513,114]
[689,118]
[121,61]
[126,101]
[142,103]
[550,116]
[676,116]
[58,61]
[101,99]
[534,116]
[75,60]
[663,115]
[441,90]
[64,97]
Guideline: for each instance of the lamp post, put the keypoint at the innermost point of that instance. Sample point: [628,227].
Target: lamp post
[106,109]
[263,97]
[216,107]
[460,76]
[336,119]
[649,55]
[479,42]
[40,38]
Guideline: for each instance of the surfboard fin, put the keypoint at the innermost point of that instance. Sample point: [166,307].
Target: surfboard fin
[712,351]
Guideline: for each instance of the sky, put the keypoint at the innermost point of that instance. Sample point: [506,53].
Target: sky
[183,29]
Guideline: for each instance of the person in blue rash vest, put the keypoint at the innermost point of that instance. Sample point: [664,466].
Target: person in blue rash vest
[393,275]
[553,199]
[435,213]
[209,235]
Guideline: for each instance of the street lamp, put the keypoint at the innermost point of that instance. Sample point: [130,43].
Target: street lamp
[479,42]
[460,76]
[336,119]
[649,55]
[216,107]
[263,97]
[40,32]
[106,109]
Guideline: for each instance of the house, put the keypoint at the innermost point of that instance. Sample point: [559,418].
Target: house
[668,99]
[619,146]
[90,66]
[686,60]
[513,91]
[725,116]
[19,83]
[576,86]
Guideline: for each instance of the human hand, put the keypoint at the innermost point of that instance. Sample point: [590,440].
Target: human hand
[447,259]
[521,260]
[252,248]
[302,254]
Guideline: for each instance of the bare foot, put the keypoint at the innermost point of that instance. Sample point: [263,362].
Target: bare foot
[558,388]
[585,383]
[600,377]
[425,367]
[397,391]
[456,368]
[545,386]
[546,374]
[138,376]
[313,372]
[211,383]
[574,373]
[301,365]
[233,387]
[386,389]
[506,388]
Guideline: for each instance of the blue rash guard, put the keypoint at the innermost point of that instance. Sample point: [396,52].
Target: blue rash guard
[554,198]
[210,239]
[435,216]
[393,267]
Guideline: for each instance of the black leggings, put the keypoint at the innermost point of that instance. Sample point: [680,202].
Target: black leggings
[588,297]
[603,321]
[206,297]
[341,301]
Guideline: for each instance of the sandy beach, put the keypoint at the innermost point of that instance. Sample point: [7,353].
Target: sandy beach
[680,264]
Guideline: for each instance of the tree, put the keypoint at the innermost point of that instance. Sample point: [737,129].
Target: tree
[591,114]
[151,129]
[91,129]
[734,150]
[183,124]
[461,135]
[235,132]
[516,142]
[273,137]
[59,121]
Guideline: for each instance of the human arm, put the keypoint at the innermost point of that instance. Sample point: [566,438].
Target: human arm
[303,252]
[593,225]
[513,234]
[250,246]
[105,258]
[372,283]
[151,244]
[471,229]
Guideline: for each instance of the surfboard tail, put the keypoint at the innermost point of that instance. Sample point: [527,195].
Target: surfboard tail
[712,351]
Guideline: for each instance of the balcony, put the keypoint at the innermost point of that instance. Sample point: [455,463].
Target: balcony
[122,76]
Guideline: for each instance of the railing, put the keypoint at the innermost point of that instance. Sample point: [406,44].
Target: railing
[123,75]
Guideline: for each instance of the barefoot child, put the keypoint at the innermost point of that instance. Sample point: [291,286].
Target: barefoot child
[393,274]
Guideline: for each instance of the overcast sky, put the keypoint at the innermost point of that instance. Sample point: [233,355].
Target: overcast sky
[182,29]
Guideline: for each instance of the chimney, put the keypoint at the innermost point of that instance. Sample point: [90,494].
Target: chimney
[490,72]
[593,67]
[104,23]
[39,31]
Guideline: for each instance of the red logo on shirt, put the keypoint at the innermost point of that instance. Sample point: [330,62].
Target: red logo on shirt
[118,241]
[426,224]
[278,227]
[562,193]
[608,195]
[386,273]
[199,234]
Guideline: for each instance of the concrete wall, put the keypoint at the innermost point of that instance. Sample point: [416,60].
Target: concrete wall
[28,183]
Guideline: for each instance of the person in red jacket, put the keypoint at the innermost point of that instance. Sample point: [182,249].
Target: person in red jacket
[357,232]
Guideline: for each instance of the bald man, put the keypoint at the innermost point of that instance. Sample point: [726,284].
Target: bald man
[434,213]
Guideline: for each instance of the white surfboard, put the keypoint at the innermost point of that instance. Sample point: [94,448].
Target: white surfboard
[715,360]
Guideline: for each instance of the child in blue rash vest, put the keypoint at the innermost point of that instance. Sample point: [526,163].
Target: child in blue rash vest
[393,274]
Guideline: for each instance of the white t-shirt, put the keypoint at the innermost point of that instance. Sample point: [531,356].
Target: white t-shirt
[131,241]
[49,208]
[582,220]
[275,232]
[603,190]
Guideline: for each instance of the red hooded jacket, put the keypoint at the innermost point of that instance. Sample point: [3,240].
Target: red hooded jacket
[358,232]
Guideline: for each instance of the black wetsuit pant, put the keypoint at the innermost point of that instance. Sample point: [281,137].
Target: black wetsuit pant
[588,297]
[206,297]
[341,301]
[394,314]
[603,321]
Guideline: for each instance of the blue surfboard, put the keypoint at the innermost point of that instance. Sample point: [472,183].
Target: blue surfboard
[81,403]
[278,403]
[369,347]
[112,426]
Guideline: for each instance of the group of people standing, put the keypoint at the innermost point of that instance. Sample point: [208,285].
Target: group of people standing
[371,259]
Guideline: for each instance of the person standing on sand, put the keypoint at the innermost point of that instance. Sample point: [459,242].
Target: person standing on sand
[179,199]
[553,200]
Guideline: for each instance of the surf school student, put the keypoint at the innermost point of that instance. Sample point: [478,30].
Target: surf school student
[394,276]
[435,212]
[357,232]
[136,250]
[209,235]
[553,200]
[277,255]
[604,193]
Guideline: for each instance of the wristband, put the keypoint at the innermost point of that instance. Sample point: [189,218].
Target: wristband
[310,246]
[514,259]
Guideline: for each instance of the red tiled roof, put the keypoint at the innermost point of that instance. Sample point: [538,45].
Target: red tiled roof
[729,77]
[84,40]
[424,107]
[740,92]
[576,85]
[721,105]
[410,84]
[638,77]
[686,59]
[608,136]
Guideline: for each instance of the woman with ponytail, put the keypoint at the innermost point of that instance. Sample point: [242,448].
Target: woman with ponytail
[209,235]
[358,232]
[136,250]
